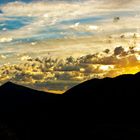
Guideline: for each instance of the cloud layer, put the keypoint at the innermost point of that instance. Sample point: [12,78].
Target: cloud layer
[49,74]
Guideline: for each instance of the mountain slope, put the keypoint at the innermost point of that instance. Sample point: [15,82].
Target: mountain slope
[99,109]
[110,106]
[24,111]
[107,86]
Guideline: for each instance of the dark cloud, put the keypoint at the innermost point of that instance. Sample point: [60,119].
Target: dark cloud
[118,50]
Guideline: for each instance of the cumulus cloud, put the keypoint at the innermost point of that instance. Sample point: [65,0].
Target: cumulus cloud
[35,72]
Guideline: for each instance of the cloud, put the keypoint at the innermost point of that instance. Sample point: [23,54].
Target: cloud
[121,2]
[2,57]
[53,14]
[55,72]
[112,4]
[2,40]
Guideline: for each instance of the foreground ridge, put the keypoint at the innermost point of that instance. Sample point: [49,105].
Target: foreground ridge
[98,108]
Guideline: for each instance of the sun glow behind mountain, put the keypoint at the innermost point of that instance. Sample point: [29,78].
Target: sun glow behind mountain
[54,45]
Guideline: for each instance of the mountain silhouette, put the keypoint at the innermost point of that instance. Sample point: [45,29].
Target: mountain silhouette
[96,109]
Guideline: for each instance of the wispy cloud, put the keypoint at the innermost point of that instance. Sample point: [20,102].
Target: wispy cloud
[54,14]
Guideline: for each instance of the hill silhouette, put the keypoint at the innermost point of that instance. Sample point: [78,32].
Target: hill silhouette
[98,109]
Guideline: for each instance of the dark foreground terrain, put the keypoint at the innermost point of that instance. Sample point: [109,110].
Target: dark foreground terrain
[96,109]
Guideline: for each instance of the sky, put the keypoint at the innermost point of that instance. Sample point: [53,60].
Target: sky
[32,21]
[63,28]
[27,1]
[29,24]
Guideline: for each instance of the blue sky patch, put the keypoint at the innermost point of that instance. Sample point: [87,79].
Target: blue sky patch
[14,23]
[6,1]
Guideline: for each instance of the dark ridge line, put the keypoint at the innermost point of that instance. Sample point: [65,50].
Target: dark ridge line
[12,84]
